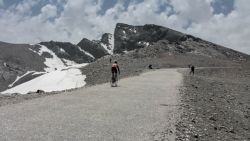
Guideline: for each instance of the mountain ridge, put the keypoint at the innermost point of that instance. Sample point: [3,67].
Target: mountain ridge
[135,41]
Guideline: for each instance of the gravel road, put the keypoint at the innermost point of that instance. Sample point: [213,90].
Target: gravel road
[144,107]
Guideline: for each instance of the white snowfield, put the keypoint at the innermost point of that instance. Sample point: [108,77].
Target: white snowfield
[54,81]
[61,74]
[51,63]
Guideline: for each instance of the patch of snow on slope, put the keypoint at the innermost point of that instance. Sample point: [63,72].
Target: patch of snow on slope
[69,62]
[110,46]
[112,43]
[143,43]
[57,77]
[62,50]
[58,80]
[32,50]
[19,77]
[87,53]
[53,63]
[37,73]
[133,30]
[77,66]
[125,51]
[106,47]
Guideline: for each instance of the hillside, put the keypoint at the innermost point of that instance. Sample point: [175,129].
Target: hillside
[134,47]
[20,63]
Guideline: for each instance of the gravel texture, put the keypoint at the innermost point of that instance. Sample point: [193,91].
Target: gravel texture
[215,105]
[140,108]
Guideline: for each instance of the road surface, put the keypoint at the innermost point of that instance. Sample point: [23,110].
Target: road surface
[144,107]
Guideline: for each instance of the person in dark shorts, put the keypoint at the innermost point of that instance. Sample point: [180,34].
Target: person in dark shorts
[115,69]
[192,70]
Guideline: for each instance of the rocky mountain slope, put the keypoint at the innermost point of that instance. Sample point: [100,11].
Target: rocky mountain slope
[128,37]
[138,46]
[20,63]
[134,47]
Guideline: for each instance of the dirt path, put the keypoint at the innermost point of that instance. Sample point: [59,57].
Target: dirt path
[141,108]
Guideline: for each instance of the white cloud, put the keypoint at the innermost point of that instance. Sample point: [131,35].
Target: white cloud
[231,31]
[48,11]
[80,19]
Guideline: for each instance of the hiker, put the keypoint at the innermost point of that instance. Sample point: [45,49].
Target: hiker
[150,66]
[115,69]
[192,70]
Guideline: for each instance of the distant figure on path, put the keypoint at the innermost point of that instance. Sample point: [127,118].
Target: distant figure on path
[192,70]
[150,66]
[110,60]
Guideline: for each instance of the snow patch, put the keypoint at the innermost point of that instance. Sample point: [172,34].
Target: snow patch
[112,43]
[143,43]
[67,78]
[27,73]
[60,74]
[125,51]
[32,50]
[133,30]
[87,53]
[77,66]
[5,64]
[19,77]
[62,50]
[107,48]
[69,62]
[110,46]
[53,63]
[38,73]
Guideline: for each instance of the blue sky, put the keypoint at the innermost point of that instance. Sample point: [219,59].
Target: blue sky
[225,22]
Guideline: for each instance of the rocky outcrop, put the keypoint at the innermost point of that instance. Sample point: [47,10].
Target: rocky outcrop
[129,37]
[106,38]
[107,42]
[68,51]
[93,47]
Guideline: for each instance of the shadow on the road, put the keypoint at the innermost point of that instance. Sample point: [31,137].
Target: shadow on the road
[169,105]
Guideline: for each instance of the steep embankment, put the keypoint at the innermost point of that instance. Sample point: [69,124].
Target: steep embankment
[216,105]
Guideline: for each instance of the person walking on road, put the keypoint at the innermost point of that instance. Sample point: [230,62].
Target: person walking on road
[114,70]
[192,70]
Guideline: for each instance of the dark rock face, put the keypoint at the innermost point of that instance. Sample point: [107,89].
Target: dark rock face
[129,37]
[68,51]
[93,47]
[15,60]
[105,38]
[107,42]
